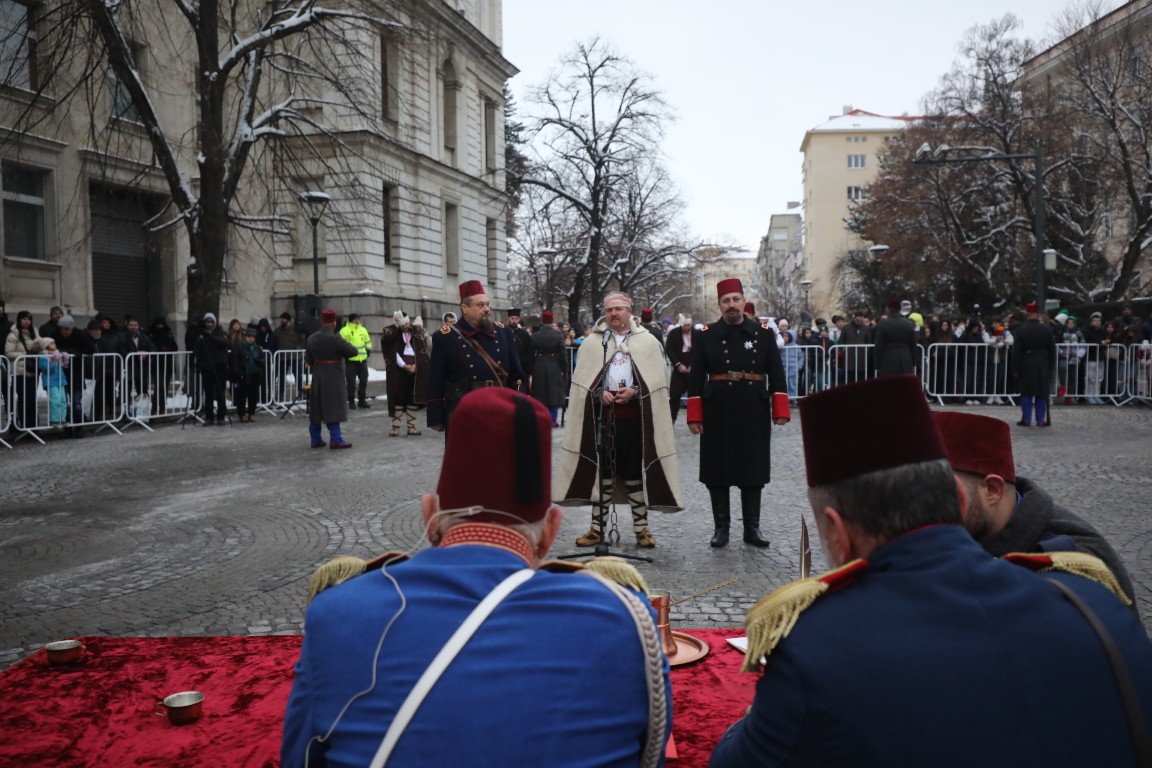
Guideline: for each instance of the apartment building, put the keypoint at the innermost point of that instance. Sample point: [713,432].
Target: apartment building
[840,161]
[780,261]
[417,204]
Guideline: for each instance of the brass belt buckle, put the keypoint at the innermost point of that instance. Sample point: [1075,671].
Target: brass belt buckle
[734,376]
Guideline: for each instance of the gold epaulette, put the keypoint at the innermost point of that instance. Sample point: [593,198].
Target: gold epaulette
[1078,563]
[772,618]
[618,570]
[446,329]
[339,569]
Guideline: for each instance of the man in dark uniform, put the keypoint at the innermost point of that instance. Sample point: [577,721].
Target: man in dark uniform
[731,360]
[1007,513]
[474,353]
[1034,356]
[653,327]
[550,369]
[679,350]
[895,342]
[325,354]
[919,634]
[523,341]
[853,363]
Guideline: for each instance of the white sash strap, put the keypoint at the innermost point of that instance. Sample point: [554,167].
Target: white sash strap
[443,659]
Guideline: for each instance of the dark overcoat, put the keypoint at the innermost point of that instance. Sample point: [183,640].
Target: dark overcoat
[549,366]
[391,345]
[1034,358]
[325,353]
[895,341]
[457,368]
[735,445]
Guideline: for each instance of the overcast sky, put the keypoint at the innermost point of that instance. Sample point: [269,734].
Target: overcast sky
[747,78]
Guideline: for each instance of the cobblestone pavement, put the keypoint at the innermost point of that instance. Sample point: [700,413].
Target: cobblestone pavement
[196,530]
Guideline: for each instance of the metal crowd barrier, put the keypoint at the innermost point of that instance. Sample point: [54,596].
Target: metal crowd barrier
[287,382]
[5,399]
[160,385]
[86,392]
[969,373]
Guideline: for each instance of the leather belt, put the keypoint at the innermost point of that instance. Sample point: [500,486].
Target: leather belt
[482,384]
[326,362]
[735,376]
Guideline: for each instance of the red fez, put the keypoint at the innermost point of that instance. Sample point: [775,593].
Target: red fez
[471,288]
[646,315]
[328,316]
[522,487]
[893,306]
[749,308]
[866,427]
[547,317]
[725,287]
[977,444]
[1032,308]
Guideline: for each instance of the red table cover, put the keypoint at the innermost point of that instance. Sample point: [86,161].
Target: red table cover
[104,710]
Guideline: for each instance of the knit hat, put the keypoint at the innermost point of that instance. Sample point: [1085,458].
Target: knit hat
[66,322]
[977,444]
[511,492]
[399,318]
[684,320]
[905,307]
[209,317]
[251,330]
[865,427]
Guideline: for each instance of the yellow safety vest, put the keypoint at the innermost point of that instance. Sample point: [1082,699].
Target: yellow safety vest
[357,335]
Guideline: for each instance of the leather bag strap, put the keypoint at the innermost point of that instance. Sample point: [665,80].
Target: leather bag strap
[1137,725]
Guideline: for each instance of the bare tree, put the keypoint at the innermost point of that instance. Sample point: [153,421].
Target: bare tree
[262,72]
[593,125]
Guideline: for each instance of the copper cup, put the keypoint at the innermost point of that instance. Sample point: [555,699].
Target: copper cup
[64,652]
[662,601]
[184,707]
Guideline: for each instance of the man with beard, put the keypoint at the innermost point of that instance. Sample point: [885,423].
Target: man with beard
[405,350]
[731,360]
[1007,513]
[549,365]
[473,353]
[619,387]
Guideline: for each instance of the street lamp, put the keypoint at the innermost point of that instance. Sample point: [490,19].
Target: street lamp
[315,203]
[925,155]
[806,286]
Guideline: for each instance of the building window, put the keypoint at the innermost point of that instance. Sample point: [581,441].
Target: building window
[388,217]
[857,193]
[17,46]
[389,71]
[489,135]
[448,125]
[23,192]
[451,238]
[122,106]
[490,226]
[856,161]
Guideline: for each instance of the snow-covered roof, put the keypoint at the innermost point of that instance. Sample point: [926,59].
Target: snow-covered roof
[859,120]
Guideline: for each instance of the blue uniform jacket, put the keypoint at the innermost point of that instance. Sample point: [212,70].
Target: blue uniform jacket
[454,361]
[938,655]
[554,677]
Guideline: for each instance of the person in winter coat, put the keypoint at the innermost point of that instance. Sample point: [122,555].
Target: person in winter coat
[211,355]
[325,354]
[23,340]
[53,367]
[247,362]
[549,365]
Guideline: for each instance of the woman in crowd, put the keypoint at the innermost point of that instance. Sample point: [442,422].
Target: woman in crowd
[23,340]
[972,367]
[944,361]
[1068,356]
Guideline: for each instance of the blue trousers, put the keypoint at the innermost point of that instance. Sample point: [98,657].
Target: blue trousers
[333,432]
[1041,404]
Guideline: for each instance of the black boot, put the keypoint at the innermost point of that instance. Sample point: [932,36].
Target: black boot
[721,515]
[750,511]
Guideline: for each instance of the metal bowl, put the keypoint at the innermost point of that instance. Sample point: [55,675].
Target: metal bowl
[64,651]
[184,707]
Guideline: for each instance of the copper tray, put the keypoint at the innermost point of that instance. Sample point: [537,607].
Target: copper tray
[688,649]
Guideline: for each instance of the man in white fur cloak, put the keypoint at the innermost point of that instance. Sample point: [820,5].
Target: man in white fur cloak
[621,382]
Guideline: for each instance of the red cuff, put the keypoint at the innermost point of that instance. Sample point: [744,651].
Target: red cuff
[695,411]
[781,410]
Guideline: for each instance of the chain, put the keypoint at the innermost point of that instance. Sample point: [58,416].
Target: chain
[611,530]
[701,594]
